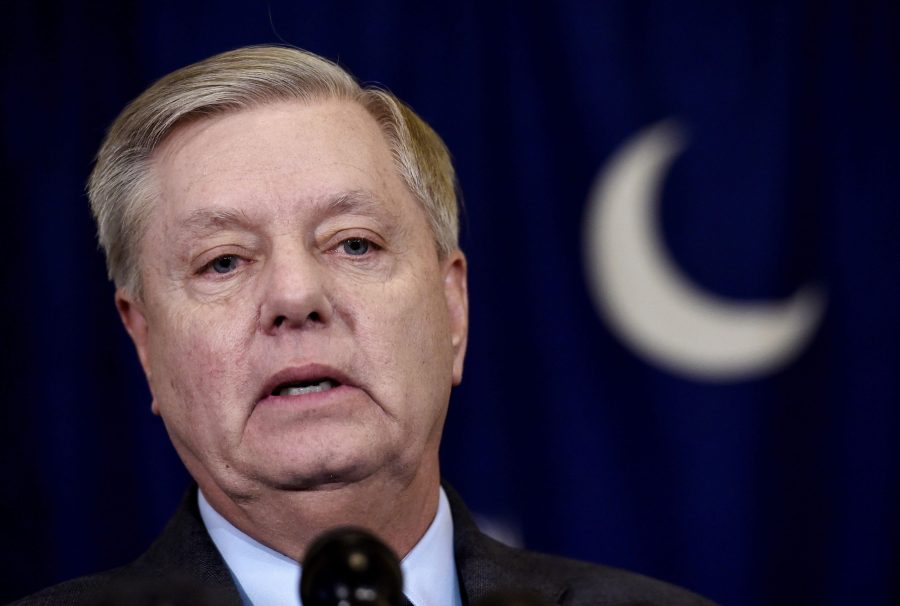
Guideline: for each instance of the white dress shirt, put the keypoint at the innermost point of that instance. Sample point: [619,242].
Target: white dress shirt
[264,576]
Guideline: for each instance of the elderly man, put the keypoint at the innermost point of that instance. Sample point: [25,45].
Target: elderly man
[284,246]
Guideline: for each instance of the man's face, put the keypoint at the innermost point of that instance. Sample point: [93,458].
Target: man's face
[297,327]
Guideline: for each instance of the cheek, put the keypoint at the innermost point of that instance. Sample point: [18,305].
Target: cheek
[403,335]
[203,361]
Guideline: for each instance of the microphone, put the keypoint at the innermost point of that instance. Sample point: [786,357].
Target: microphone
[351,567]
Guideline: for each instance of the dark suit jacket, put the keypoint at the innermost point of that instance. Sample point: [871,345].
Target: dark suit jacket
[184,566]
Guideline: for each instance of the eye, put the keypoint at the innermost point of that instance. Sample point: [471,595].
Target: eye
[224,264]
[356,247]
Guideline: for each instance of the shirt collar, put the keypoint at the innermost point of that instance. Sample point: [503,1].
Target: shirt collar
[266,577]
[429,569]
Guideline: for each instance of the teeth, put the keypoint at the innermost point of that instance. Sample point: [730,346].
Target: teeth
[294,390]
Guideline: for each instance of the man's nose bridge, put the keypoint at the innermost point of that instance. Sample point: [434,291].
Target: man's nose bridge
[294,268]
[295,285]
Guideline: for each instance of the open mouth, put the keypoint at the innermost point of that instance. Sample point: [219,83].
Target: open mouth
[299,388]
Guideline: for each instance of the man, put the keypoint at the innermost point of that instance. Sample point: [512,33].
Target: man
[284,246]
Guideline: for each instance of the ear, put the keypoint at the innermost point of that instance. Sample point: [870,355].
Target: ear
[456,292]
[131,312]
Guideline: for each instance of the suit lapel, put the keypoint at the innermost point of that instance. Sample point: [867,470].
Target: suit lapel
[184,550]
[486,566]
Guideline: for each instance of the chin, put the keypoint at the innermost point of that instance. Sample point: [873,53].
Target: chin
[320,471]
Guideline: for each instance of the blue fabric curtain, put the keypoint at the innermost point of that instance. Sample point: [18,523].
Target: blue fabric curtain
[770,486]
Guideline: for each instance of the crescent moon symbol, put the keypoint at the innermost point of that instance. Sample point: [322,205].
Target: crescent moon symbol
[649,302]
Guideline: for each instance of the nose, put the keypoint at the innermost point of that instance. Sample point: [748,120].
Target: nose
[295,293]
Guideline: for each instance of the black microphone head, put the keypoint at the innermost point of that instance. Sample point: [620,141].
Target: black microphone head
[351,567]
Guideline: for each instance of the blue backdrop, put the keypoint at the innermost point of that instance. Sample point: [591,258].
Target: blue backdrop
[595,419]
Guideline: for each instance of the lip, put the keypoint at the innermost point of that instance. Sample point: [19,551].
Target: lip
[306,372]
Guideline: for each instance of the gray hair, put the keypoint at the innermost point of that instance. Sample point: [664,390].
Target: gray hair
[119,190]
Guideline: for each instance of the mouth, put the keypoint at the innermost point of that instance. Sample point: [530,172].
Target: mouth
[300,388]
[303,381]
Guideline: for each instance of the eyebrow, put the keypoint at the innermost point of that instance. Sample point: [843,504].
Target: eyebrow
[356,202]
[365,203]
[205,220]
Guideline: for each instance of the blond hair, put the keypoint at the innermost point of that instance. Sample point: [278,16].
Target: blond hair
[119,190]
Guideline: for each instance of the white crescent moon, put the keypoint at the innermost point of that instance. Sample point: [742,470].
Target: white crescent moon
[649,302]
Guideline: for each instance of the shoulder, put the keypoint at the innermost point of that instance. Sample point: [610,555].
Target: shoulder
[120,586]
[583,583]
[181,567]
[486,566]
[77,591]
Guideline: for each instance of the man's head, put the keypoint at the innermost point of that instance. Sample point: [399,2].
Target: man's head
[122,194]
[284,244]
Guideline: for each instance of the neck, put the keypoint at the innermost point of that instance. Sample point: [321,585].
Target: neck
[397,511]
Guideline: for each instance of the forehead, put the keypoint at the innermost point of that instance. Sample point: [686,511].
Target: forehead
[275,155]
